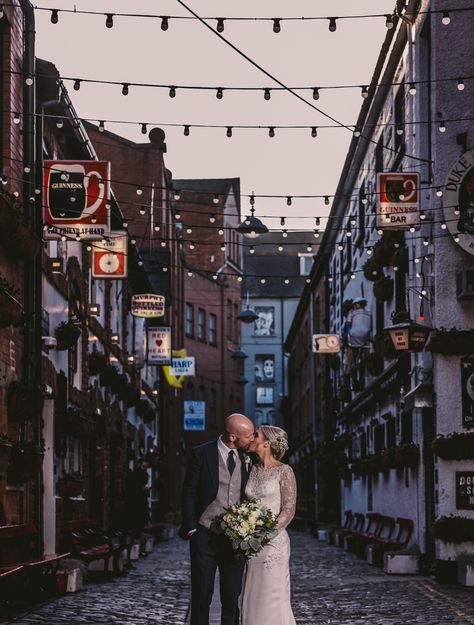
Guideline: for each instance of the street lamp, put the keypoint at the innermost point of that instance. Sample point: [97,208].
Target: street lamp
[252,227]
[248,315]
[407,335]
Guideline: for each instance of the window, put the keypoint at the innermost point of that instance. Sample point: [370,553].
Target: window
[201,325]
[379,438]
[391,433]
[306,262]
[189,320]
[212,329]
[407,427]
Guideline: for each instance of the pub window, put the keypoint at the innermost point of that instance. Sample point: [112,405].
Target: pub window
[379,438]
[201,324]
[406,433]
[212,329]
[391,433]
[189,320]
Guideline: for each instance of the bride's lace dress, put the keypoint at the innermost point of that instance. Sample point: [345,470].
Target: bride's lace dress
[266,592]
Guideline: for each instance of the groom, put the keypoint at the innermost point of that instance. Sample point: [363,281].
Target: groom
[216,477]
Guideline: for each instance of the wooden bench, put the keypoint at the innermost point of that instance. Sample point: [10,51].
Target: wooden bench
[386,543]
[357,540]
[90,543]
[21,563]
[353,523]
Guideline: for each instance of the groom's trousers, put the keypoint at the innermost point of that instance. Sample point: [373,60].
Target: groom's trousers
[210,551]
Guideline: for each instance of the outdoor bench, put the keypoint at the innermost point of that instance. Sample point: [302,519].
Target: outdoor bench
[386,543]
[357,540]
[354,523]
[90,544]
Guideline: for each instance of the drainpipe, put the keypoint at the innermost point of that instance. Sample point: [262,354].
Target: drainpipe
[32,210]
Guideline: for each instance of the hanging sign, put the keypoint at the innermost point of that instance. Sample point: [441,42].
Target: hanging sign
[109,257]
[326,343]
[159,346]
[194,415]
[148,305]
[398,200]
[76,199]
[183,366]
[458,201]
[467,391]
[465,490]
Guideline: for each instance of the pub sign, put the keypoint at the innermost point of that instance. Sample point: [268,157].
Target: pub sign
[467,383]
[398,206]
[109,257]
[465,490]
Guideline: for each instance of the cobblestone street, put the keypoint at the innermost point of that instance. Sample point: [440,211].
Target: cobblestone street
[330,587]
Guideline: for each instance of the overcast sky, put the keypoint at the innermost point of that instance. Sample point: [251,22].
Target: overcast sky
[304,53]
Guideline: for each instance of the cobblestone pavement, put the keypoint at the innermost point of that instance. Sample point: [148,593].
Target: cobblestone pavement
[330,587]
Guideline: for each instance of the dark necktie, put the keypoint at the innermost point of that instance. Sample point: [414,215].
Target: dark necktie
[231,462]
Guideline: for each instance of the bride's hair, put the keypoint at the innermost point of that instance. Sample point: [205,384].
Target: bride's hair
[278,439]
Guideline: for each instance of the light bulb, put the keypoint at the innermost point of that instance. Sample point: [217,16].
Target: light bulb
[271,131]
[229,131]
[332,24]
[318,221]
[456,238]
[77,85]
[219,93]
[189,230]
[399,130]
[316,233]
[223,247]
[156,228]
[109,22]
[340,247]
[16,118]
[443,226]
[388,22]
[412,88]
[220,25]
[54,16]
[172,92]
[144,129]
[59,123]
[215,199]
[177,215]
[286,281]
[125,87]
[326,200]
[220,232]
[191,246]
[426,241]
[142,210]
[309,248]
[212,219]
[267,94]
[139,191]
[177,194]
[289,200]
[316,93]
[280,248]
[190,273]
[445,19]
[186,131]
[284,234]
[314,132]
[276,25]
[439,191]
[164,23]
[252,249]
[29,81]
[364,92]
[125,224]
[369,251]
[282,221]
[442,126]
[101,126]
[356,131]
[461,84]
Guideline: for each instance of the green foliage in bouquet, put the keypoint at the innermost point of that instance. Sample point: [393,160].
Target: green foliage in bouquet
[249,526]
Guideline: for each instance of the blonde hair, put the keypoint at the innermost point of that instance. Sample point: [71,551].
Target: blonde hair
[278,439]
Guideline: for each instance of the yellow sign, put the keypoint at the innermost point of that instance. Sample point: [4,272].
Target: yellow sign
[174,381]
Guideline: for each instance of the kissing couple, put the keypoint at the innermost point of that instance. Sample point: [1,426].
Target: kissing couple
[218,475]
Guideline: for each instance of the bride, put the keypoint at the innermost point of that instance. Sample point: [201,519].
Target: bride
[266,591]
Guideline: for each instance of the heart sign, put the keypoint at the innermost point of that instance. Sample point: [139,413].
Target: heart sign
[159,346]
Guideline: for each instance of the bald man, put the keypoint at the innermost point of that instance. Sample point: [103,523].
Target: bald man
[216,477]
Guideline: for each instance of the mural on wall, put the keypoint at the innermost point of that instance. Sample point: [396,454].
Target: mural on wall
[264,368]
[265,324]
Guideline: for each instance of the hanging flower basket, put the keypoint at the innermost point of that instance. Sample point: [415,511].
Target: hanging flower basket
[456,446]
[407,455]
[6,446]
[70,485]
[454,529]
[108,375]
[24,401]
[67,334]
[372,270]
[97,362]
[383,289]
[26,462]
[452,342]
[22,243]
[10,307]
[145,410]
[387,459]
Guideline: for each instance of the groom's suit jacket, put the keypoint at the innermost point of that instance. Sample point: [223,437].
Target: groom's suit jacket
[201,484]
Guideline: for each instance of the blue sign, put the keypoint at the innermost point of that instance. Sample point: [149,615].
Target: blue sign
[195,415]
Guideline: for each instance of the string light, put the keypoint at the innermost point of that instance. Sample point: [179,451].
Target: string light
[186,131]
[125,87]
[271,131]
[326,200]
[172,92]
[219,93]
[332,24]
[389,22]
[412,88]
[101,126]
[289,201]
[212,219]
[439,191]
[282,221]
[460,84]
[54,16]
[16,118]
[314,132]
[229,131]
[109,22]
[144,129]
[220,25]
[164,23]
[445,19]
[442,126]
[364,92]
[267,94]
[276,25]
[77,85]
[316,93]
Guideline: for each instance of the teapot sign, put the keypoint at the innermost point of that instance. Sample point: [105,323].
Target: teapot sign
[76,199]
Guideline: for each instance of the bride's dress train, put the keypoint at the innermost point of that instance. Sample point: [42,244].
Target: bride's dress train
[266,590]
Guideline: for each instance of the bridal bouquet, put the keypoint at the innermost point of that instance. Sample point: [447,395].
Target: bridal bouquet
[249,526]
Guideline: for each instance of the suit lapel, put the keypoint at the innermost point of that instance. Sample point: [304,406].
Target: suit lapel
[245,472]
[213,464]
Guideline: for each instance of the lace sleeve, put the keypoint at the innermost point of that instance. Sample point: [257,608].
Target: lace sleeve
[288,497]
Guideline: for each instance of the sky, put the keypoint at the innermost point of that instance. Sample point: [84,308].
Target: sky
[304,53]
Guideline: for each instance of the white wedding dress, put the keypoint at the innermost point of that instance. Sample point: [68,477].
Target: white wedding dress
[266,587]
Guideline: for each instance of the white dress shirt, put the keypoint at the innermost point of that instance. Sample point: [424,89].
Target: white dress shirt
[224,452]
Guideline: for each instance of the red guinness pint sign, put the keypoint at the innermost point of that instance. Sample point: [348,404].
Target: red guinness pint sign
[76,197]
[398,200]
